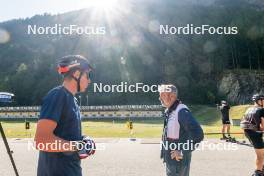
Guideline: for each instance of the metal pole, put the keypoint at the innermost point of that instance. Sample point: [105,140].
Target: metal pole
[86,100]
[9,152]
[223,133]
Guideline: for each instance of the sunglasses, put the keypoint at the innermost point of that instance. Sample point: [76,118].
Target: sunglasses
[89,75]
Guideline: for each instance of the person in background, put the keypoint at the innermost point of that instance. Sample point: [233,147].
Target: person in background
[180,128]
[224,108]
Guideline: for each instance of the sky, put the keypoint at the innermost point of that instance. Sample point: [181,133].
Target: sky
[13,9]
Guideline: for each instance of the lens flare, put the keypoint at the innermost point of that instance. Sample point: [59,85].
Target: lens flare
[101,4]
[4,36]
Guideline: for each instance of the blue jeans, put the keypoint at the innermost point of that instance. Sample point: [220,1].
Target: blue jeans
[179,168]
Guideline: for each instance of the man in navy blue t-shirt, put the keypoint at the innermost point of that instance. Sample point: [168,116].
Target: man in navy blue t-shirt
[59,124]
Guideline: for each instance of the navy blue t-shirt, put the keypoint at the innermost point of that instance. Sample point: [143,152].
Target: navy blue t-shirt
[61,106]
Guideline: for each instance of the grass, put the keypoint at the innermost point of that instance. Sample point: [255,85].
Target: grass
[237,112]
[209,117]
[206,115]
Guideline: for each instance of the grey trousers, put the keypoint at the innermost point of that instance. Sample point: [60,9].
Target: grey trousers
[179,168]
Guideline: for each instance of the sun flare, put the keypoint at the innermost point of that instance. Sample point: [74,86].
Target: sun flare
[101,4]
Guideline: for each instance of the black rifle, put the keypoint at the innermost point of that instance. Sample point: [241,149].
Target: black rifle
[9,152]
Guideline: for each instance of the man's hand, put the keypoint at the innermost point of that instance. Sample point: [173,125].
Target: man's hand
[177,155]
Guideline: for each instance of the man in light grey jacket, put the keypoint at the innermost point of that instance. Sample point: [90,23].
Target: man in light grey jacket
[180,128]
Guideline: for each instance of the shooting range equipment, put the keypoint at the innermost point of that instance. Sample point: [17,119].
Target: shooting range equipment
[129,125]
[6,97]
[9,152]
[27,125]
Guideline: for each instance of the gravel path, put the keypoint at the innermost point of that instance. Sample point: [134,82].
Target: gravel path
[133,158]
